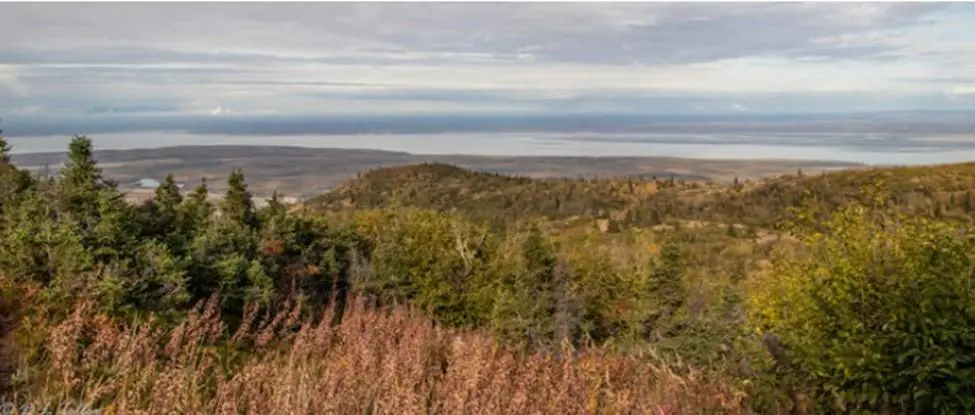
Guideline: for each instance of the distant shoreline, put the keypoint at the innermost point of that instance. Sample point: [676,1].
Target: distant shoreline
[303,171]
[846,148]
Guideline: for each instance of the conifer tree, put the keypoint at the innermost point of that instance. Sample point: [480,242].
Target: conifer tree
[164,210]
[81,182]
[167,195]
[666,284]
[4,150]
[13,181]
[536,286]
[238,204]
[274,213]
[81,171]
[196,208]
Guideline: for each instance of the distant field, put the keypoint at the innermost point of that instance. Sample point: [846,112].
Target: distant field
[302,172]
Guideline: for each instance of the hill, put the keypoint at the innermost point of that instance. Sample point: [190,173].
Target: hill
[936,191]
[492,197]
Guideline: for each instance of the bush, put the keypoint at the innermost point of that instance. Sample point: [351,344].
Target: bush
[877,316]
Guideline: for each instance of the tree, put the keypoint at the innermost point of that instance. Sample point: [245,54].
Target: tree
[224,259]
[526,309]
[238,204]
[877,314]
[666,285]
[274,214]
[14,182]
[168,195]
[81,171]
[4,150]
[195,211]
[567,307]
[82,183]
[163,211]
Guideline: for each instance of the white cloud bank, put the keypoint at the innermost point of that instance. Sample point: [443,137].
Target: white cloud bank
[441,57]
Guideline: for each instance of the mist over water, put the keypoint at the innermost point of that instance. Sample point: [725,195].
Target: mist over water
[876,149]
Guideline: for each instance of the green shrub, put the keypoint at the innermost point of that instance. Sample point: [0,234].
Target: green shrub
[878,316]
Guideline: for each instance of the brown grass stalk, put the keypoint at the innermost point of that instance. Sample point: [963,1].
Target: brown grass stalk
[379,361]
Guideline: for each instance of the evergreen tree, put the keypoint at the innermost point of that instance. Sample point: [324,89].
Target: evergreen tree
[195,211]
[537,286]
[115,233]
[666,285]
[167,195]
[539,259]
[14,182]
[81,171]
[274,214]
[4,150]
[82,183]
[567,307]
[223,256]
[164,212]
[278,236]
[238,204]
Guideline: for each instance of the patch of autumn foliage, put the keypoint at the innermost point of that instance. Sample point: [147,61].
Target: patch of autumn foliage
[383,361]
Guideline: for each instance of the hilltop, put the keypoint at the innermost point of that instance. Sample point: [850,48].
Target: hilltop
[942,190]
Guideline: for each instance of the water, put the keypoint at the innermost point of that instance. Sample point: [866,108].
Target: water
[876,149]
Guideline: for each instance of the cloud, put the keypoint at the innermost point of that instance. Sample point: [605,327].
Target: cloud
[133,109]
[31,110]
[617,33]
[738,108]
[10,80]
[218,111]
[962,91]
[105,59]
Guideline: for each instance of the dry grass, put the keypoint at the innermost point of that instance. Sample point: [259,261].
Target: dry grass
[375,361]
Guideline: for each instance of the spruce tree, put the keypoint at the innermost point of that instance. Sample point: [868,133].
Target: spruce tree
[666,284]
[539,259]
[274,212]
[538,283]
[4,150]
[167,195]
[14,182]
[81,171]
[164,210]
[238,204]
[196,209]
[82,182]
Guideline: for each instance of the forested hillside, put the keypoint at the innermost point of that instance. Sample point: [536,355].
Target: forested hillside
[937,191]
[434,289]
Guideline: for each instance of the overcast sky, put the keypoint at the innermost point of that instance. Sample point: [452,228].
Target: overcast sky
[316,58]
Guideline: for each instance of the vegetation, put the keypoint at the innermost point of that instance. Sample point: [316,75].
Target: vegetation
[433,289]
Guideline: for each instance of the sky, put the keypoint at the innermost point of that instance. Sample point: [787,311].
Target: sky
[220,59]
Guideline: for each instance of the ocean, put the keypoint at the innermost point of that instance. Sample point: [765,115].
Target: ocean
[874,149]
